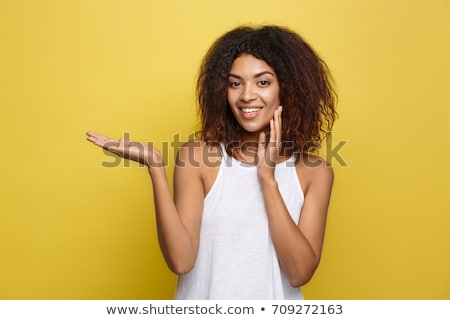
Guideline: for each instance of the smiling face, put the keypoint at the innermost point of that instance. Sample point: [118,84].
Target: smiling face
[253,94]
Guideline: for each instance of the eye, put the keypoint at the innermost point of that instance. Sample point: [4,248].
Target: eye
[234,84]
[263,83]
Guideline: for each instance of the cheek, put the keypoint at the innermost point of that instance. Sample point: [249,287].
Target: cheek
[229,96]
[232,97]
[272,97]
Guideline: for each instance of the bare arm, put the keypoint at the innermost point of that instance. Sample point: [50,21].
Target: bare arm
[178,221]
[299,246]
[179,232]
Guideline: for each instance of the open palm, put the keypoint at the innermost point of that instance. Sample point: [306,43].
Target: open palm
[132,150]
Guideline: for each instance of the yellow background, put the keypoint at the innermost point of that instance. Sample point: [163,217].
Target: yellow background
[71,228]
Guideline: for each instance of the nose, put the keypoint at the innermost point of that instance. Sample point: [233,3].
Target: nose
[248,93]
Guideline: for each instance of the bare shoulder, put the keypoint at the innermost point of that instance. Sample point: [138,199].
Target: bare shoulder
[312,169]
[198,154]
[202,160]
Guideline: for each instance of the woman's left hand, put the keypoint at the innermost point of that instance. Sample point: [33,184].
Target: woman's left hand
[269,152]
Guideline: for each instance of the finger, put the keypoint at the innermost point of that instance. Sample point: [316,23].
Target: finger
[109,145]
[278,126]
[97,136]
[275,135]
[261,143]
[272,136]
[102,143]
[97,139]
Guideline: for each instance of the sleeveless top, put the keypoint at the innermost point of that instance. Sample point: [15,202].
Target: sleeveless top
[236,257]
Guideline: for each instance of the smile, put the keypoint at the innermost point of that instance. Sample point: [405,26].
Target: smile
[250,110]
[250,113]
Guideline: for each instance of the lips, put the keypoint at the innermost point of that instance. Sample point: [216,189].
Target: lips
[250,112]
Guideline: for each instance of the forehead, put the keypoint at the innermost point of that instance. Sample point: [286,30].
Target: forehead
[248,64]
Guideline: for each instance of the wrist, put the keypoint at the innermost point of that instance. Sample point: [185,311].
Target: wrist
[157,174]
[154,160]
[268,182]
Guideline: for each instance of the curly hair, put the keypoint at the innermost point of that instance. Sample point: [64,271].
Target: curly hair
[306,91]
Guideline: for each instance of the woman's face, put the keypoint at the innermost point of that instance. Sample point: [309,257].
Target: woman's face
[253,93]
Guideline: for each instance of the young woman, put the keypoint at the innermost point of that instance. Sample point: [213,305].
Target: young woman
[247,218]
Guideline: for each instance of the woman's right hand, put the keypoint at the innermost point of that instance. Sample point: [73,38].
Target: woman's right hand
[132,150]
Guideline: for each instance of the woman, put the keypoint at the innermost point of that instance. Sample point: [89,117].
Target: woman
[247,218]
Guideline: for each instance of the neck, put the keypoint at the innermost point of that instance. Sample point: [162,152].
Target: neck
[246,151]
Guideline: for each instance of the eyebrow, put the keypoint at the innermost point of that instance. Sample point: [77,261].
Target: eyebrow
[255,76]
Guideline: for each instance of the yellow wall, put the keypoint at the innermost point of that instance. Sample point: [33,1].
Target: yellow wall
[71,228]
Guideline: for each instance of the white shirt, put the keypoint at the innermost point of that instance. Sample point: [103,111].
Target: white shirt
[236,258]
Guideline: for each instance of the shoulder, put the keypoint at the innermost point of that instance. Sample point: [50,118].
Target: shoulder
[199,154]
[198,161]
[314,170]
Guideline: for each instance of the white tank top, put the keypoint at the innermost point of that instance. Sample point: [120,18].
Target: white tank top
[236,258]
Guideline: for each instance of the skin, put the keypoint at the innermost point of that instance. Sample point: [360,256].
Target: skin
[252,83]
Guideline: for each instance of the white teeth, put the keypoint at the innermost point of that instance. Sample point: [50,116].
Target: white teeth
[250,110]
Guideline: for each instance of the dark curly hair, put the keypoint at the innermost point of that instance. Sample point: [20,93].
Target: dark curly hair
[306,91]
